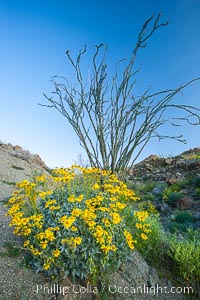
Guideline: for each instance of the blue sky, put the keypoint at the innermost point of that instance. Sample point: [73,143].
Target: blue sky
[34,37]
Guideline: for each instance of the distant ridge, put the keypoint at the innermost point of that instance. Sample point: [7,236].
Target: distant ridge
[18,152]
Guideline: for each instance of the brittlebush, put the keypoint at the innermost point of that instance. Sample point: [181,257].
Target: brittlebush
[74,222]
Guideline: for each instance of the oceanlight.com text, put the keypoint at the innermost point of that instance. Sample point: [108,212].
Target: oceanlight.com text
[112,289]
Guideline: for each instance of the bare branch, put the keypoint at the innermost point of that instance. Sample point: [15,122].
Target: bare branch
[112,123]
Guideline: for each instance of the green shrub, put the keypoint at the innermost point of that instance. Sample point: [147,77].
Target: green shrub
[154,248]
[182,221]
[197,193]
[148,197]
[196,182]
[192,234]
[146,177]
[75,222]
[193,181]
[148,187]
[11,251]
[8,182]
[175,227]
[174,196]
[17,168]
[142,188]
[182,184]
[186,253]
[148,206]
[171,196]
[193,157]
[183,217]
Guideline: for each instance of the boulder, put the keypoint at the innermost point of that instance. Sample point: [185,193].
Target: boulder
[184,203]
[171,180]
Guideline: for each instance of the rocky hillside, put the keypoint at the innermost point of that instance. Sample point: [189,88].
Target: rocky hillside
[17,282]
[172,185]
[170,169]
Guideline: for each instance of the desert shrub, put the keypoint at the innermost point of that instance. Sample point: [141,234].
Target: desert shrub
[146,177]
[192,180]
[154,249]
[182,221]
[75,222]
[17,168]
[175,227]
[183,217]
[182,183]
[143,190]
[186,253]
[148,187]
[148,197]
[12,250]
[148,206]
[172,194]
[8,182]
[196,182]
[175,188]
[194,156]
[197,193]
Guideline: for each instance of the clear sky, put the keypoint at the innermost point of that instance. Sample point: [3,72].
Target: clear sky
[34,36]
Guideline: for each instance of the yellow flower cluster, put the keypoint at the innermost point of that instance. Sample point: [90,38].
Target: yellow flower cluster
[144,228]
[74,241]
[63,175]
[73,198]
[129,239]
[149,207]
[48,262]
[141,215]
[60,213]
[67,222]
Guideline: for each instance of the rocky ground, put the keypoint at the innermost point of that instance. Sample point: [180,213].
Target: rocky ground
[17,282]
[180,175]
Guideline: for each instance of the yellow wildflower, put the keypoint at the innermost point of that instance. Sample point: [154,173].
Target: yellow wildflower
[67,221]
[49,202]
[91,224]
[106,221]
[116,218]
[141,215]
[26,243]
[46,266]
[49,235]
[27,231]
[96,186]
[131,246]
[71,198]
[54,207]
[44,244]
[56,253]
[63,241]
[76,212]
[144,236]
[74,228]
[138,226]
[113,248]
[78,240]
[105,248]
[44,194]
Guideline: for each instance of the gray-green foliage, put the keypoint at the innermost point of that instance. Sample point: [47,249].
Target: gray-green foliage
[186,253]
[154,249]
